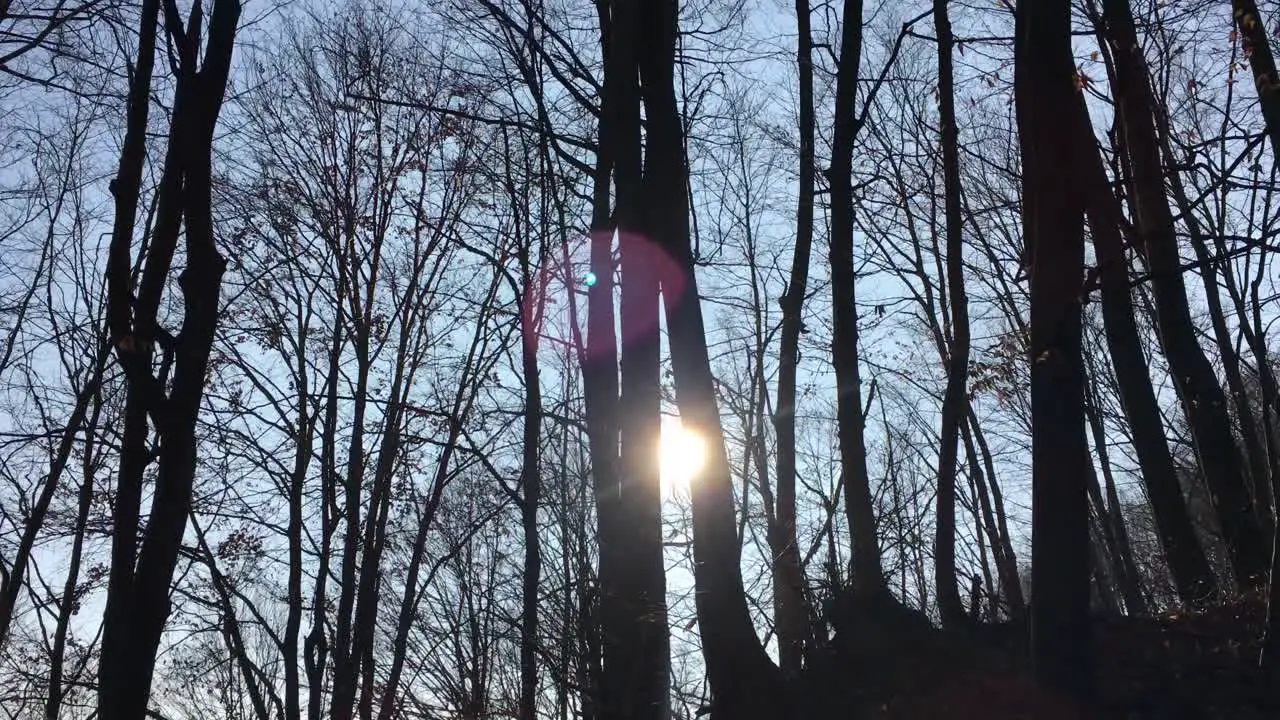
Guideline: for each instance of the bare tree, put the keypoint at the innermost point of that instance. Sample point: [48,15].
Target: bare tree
[1053,218]
[142,570]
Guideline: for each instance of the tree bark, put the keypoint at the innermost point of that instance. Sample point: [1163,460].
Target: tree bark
[868,572]
[744,681]
[791,608]
[599,359]
[1053,226]
[955,400]
[12,582]
[1188,565]
[1253,34]
[1202,398]
[636,653]
[531,487]
[1001,546]
[68,604]
[138,595]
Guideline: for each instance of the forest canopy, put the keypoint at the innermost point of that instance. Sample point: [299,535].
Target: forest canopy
[638,359]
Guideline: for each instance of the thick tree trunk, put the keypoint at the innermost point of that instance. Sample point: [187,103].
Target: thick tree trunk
[1053,222]
[636,652]
[744,681]
[126,189]
[955,400]
[1202,398]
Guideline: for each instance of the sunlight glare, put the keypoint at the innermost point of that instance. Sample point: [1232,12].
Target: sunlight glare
[681,455]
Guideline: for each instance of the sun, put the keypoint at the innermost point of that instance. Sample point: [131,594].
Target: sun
[681,456]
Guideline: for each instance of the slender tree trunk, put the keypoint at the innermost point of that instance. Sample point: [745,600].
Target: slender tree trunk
[346,663]
[12,583]
[297,482]
[868,573]
[791,609]
[955,400]
[1250,438]
[1013,585]
[407,613]
[1053,222]
[1202,397]
[316,644]
[599,359]
[1001,549]
[1104,589]
[531,313]
[531,482]
[68,603]
[1125,583]
[1270,655]
[1135,598]
[1187,562]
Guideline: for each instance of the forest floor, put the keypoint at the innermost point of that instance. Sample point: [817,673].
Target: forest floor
[1178,666]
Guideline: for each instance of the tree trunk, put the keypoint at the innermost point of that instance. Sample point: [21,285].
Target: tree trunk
[138,594]
[11,584]
[1109,511]
[598,356]
[744,681]
[1187,563]
[1001,547]
[791,609]
[1253,34]
[1053,225]
[1250,438]
[531,487]
[1202,398]
[1123,581]
[868,573]
[599,359]
[955,400]
[636,652]
[68,604]
[1013,587]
